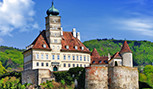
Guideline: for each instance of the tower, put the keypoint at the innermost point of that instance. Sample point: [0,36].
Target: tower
[53,29]
[127,55]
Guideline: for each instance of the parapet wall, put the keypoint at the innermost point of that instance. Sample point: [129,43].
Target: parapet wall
[96,77]
[123,78]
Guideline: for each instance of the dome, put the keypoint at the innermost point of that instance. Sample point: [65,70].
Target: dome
[52,11]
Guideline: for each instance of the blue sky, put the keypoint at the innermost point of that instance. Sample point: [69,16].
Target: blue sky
[21,20]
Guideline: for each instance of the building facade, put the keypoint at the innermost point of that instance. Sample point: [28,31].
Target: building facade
[54,50]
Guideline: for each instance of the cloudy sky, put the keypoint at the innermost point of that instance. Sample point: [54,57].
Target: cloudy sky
[21,20]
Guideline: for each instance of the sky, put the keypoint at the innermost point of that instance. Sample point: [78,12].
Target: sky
[22,20]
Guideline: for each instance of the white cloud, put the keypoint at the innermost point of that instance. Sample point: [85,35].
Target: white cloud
[140,26]
[16,15]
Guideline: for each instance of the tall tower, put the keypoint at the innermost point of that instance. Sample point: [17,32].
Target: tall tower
[53,29]
[127,55]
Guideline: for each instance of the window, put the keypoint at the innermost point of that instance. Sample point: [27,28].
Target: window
[73,65]
[53,47]
[37,64]
[37,56]
[80,65]
[44,45]
[64,65]
[93,62]
[77,57]
[69,57]
[77,65]
[55,41]
[88,58]
[64,57]
[84,65]
[100,61]
[76,47]
[82,48]
[58,57]
[58,47]
[42,56]
[69,65]
[73,57]
[67,47]
[80,58]
[53,57]
[46,56]
[84,58]
[42,64]
[46,64]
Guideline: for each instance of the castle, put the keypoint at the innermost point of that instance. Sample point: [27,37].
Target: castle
[56,50]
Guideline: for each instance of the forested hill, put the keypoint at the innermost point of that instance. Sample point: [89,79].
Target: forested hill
[11,58]
[142,50]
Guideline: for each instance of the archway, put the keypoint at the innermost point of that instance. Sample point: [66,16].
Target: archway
[55,68]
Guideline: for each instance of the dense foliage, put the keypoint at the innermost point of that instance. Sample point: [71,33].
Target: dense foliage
[142,50]
[11,58]
[146,76]
[56,85]
[77,73]
[2,69]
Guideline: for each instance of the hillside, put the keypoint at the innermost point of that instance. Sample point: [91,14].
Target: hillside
[142,50]
[11,58]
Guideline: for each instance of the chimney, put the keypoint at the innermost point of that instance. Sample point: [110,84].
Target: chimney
[74,32]
[109,56]
[61,31]
[78,35]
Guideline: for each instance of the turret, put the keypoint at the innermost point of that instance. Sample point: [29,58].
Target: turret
[126,54]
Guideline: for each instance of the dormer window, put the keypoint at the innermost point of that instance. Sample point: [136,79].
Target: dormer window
[76,47]
[44,45]
[100,61]
[82,48]
[93,62]
[67,47]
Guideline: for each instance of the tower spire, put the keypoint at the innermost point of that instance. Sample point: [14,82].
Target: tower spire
[52,10]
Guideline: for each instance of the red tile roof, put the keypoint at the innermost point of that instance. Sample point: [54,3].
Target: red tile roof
[69,40]
[95,53]
[125,48]
[96,59]
[99,60]
[40,41]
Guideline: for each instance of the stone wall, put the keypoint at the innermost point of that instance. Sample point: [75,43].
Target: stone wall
[96,77]
[30,76]
[123,78]
[36,76]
